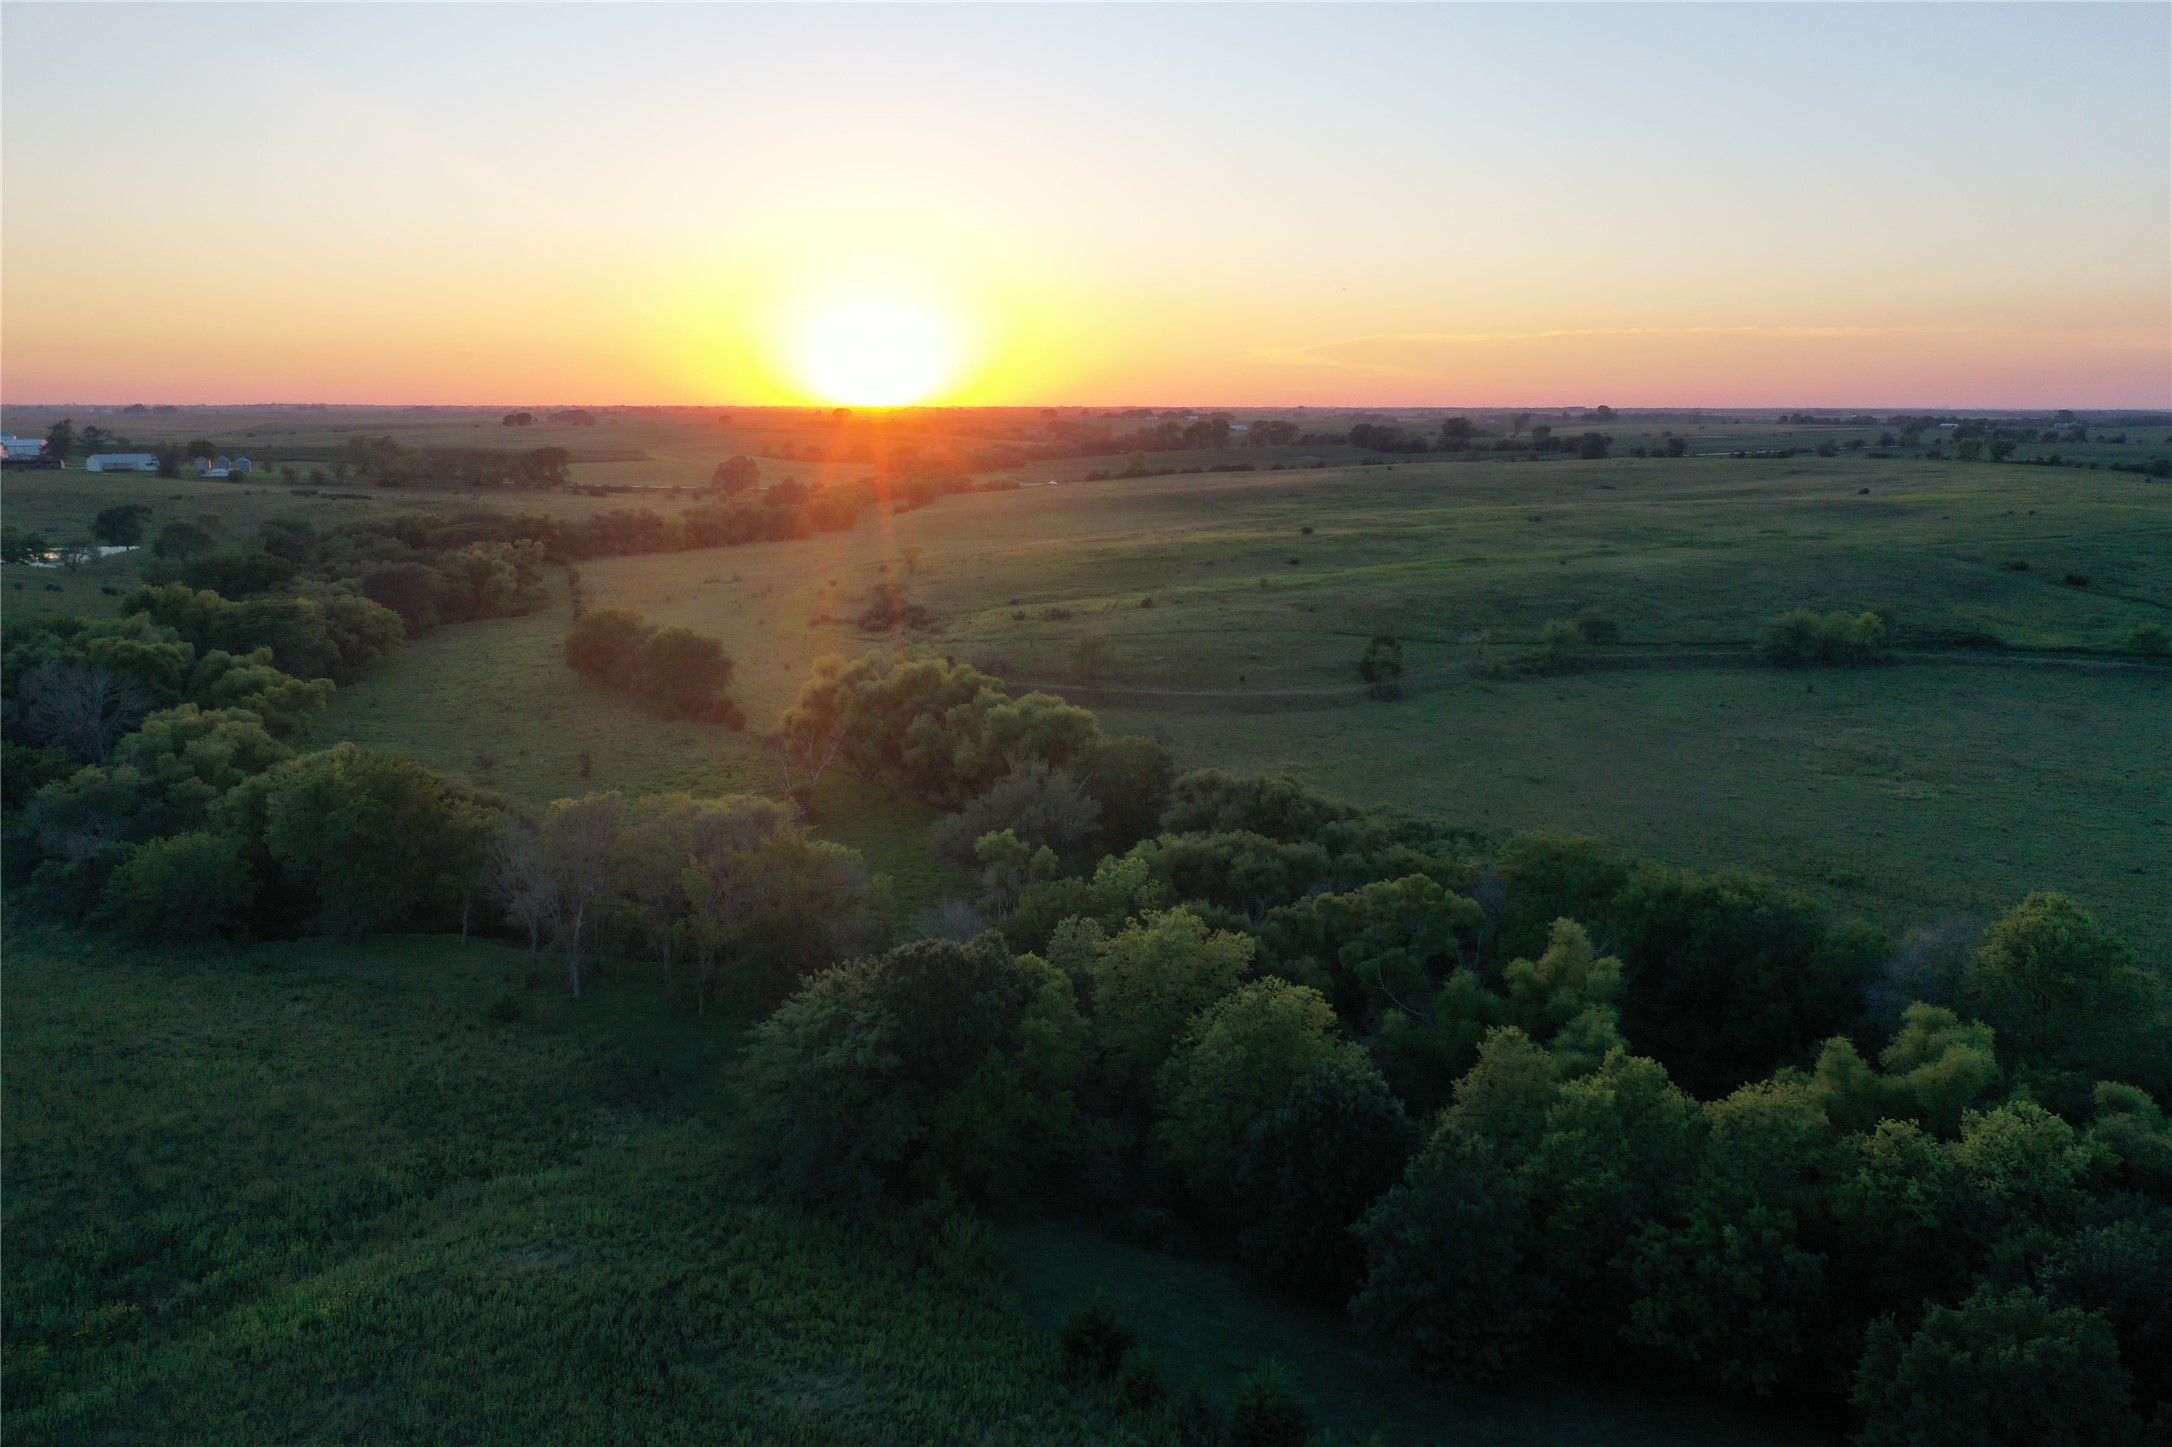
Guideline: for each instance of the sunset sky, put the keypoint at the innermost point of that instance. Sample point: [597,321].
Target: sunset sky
[1817,205]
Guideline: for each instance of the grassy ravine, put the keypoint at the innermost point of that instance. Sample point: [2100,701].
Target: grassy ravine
[385,1193]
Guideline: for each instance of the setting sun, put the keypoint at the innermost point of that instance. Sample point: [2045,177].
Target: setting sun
[875,352]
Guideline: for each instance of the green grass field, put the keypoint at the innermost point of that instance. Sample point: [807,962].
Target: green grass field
[1944,782]
[318,1192]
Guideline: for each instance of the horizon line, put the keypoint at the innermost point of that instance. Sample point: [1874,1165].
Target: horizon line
[485,406]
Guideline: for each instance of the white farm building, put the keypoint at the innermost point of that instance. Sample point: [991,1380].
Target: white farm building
[121,462]
[22,449]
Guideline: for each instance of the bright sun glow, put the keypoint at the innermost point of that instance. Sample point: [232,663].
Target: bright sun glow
[876,353]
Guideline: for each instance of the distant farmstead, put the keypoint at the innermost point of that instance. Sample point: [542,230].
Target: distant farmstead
[121,462]
[22,449]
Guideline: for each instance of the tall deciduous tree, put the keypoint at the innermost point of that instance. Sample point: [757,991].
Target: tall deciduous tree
[1152,978]
[1239,1060]
[81,709]
[374,834]
[520,881]
[1309,1169]
[577,839]
[121,525]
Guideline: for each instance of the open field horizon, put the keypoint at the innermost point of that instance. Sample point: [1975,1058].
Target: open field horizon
[1235,604]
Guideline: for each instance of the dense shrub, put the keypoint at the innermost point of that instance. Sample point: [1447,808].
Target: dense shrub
[1040,806]
[1094,1341]
[942,732]
[604,643]
[1447,1282]
[1309,1169]
[1545,877]
[81,683]
[415,591]
[1117,891]
[1269,1410]
[1727,975]
[931,1062]
[1804,636]
[244,574]
[1997,1368]
[2062,990]
[682,673]
[181,888]
[372,837]
[1129,779]
[327,631]
[1151,978]
[1240,1059]
[1274,806]
[1381,667]
[182,540]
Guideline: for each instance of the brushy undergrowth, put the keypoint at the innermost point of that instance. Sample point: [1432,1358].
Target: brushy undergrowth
[334,1193]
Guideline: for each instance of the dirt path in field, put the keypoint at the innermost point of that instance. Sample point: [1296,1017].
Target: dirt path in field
[1351,695]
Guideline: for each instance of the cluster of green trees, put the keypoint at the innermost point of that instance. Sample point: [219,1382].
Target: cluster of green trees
[731,895]
[21,545]
[677,671]
[75,688]
[428,568]
[938,731]
[203,823]
[1803,635]
[323,602]
[782,511]
[157,790]
[386,463]
[119,526]
[152,780]
[1180,433]
[314,629]
[1533,1103]
[1461,434]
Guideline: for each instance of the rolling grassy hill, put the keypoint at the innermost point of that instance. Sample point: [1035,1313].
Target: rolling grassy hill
[1950,781]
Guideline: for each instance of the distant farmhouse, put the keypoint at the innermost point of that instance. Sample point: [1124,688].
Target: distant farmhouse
[224,467]
[121,462]
[23,449]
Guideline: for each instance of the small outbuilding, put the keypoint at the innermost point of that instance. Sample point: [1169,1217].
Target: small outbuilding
[121,462]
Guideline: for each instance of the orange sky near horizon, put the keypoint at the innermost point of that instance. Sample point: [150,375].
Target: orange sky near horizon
[1716,206]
